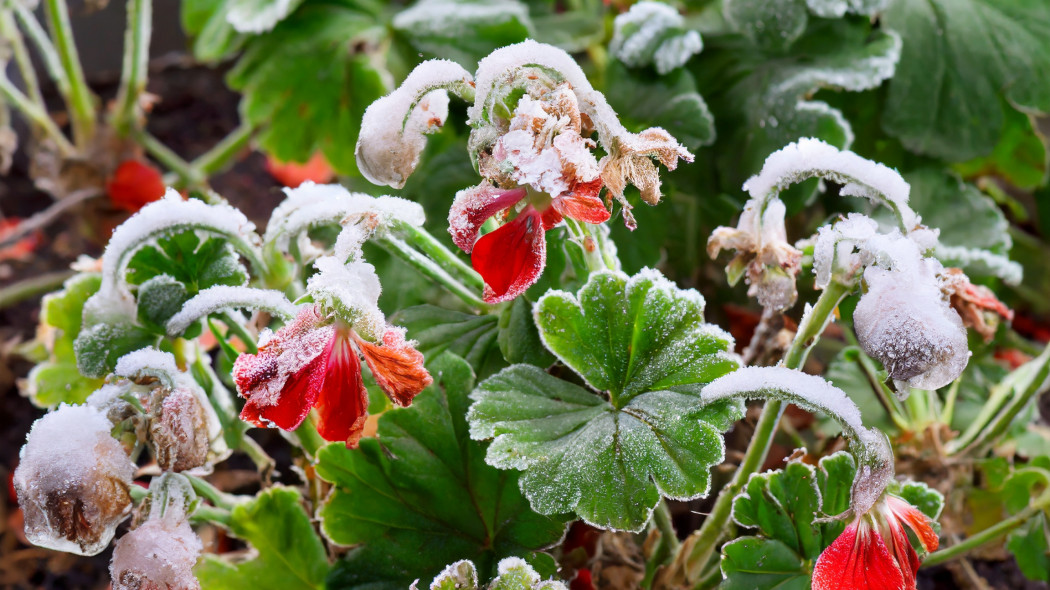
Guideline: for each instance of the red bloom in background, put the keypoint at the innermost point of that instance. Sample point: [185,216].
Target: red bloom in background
[511,258]
[860,559]
[135,185]
[308,364]
[22,248]
[292,174]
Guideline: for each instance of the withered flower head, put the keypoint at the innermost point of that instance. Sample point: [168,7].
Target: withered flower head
[179,430]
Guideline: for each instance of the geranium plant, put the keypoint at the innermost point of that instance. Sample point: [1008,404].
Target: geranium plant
[476,378]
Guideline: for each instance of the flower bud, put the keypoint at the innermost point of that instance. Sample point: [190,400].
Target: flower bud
[905,323]
[158,555]
[72,481]
[179,432]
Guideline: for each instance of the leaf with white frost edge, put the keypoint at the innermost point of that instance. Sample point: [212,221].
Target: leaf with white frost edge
[653,33]
[464,30]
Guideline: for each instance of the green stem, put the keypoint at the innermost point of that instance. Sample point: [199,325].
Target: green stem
[701,544]
[45,48]
[264,463]
[81,103]
[214,495]
[308,438]
[33,287]
[9,31]
[429,245]
[588,245]
[666,546]
[166,156]
[885,396]
[209,514]
[238,330]
[137,493]
[662,519]
[949,402]
[986,536]
[136,65]
[215,159]
[35,114]
[432,270]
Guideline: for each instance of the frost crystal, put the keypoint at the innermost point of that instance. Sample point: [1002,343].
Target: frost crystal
[653,33]
[159,554]
[258,17]
[72,481]
[860,177]
[353,289]
[394,128]
[906,323]
[223,297]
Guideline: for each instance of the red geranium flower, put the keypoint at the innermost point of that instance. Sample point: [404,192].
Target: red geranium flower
[292,174]
[511,258]
[860,559]
[313,363]
[135,185]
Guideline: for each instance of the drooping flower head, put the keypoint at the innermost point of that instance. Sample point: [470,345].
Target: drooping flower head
[532,120]
[315,360]
[72,481]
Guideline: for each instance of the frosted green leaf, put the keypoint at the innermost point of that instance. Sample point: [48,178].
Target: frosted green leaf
[464,30]
[625,335]
[754,562]
[838,8]
[472,337]
[782,505]
[671,101]
[259,16]
[581,454]
[513,573]
[770,24]
[653,33]
[959,58]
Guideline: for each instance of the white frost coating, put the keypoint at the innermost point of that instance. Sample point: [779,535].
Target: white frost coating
[1009,271]
[449,18]
[810,157]
[253,18]
[221,297]
[311,205]
[168,215]
[905,322]
[148,362]
[394,127]
[839,250]
[72,481]
[158,554]
[461,573]
[353,287]
[641,36]
[863,74]
[838,8]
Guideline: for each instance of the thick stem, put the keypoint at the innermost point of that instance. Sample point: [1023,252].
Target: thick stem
[208,514]
[81,102]
[986,536]
[432,270]
[666,546]
[214,495]
[308,438]
[215,159]
[136,65]
[700,546]
[36,115]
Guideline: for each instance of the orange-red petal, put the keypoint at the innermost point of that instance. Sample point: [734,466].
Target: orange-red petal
[511,258]
[292,174]
[857,560]
[342,400]
[294,401]
[134,185]
[916,520]
[583,204]
[396,366]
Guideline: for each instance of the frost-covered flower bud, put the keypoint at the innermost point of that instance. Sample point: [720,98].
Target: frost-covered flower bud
[158,555]
[179,431]
[72,481]
[905,322]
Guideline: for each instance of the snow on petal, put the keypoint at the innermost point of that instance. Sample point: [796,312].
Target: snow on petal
[810,157]
[352,289]
[473,206]
[394,127]
[224,297]
[72,481]
[511,258]
[396,366]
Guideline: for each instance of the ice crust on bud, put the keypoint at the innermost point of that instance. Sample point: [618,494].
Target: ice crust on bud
[72,481]
[159,554]
[653,33]
[905,322]
[223,297]
[394,128]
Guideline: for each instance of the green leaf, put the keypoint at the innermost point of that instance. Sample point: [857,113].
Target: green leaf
[290,555]
[645,100]
[99,347]
[653,34]
[307,83]
[626,335]
[514,574]
[929,501]
[185,258]
[464,31]
[518,338]
[959,58]
[782,505]
[1031,547]
[472,337]
[835,475]
[420,496]
[753,562]
[580,454]
[1020,157]
[770,24]
[159,298]
[213,37]
[57,379]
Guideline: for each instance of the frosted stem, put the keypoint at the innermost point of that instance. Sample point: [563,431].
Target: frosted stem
[136,64]
[81,103]
[429,245]
[222,297]
[429,268]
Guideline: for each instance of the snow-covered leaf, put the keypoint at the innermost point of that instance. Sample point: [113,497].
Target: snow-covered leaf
[289,553]
[672,102]
[958,59]
[581,454]
[653,33]
[420,496]
[259,16]
[464,30]
[627,335]
[513,573]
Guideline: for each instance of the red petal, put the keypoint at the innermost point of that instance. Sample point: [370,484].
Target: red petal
[22,248]
[396,366]
[550,218]
[904,553]
[134,185]
[511,258]
[292,174]
[583,203]
[342,405]
[857,560]
[294,402]
[473,207]
[916,520]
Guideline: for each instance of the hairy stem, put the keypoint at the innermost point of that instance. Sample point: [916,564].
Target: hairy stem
[81,102]
[429,268]
[36,115]
[698,549]
[45,48]
[429,245]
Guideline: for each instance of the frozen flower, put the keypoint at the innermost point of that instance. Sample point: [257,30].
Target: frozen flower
[630,160]
[314,362]
[159,554]
[977,305]
[905,323]
[179,430]
[762,249]
[72,481]
[861,559]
